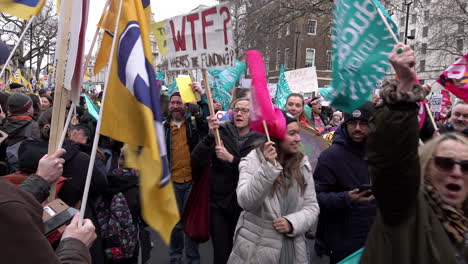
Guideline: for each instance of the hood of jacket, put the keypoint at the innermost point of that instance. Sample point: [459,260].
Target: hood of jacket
[342,137]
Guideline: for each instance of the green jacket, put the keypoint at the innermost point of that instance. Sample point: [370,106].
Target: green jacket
[406,230]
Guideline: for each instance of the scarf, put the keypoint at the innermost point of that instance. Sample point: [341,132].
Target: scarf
[452,219]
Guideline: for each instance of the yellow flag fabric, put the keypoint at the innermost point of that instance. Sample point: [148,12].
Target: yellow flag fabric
[102,58]
[24,9]
[132,115]
[15,77]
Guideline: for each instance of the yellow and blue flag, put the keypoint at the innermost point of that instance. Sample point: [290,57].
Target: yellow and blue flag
[132,114]
[24,9]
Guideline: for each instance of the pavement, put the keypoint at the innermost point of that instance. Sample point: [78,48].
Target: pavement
[160,252]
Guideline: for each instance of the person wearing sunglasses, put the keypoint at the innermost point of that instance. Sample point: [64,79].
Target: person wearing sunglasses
[421,197]
[223,163]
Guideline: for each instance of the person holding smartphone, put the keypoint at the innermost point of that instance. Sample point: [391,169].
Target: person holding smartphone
[344,190]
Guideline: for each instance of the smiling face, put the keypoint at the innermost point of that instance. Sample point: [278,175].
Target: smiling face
[451,183]
[241,114]
[459,118]
[45,104]
[295,106]
[177,108]
[290,144]
[357,129]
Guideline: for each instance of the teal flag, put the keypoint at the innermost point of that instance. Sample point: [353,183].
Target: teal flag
[160,77]
[326,93]
[282,90]
[93,110]
[172,88]
[361,44]
[224,81]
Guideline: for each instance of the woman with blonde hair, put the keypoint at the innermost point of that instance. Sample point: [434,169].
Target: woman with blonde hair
[420,196]
[276,191]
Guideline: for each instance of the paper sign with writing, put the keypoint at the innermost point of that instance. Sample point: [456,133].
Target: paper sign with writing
[302,80]
[436,103]
[201,39]
[186,92]
[159,32]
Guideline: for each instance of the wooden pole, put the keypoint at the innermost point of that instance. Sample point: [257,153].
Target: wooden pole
[61,94]
[210,104]
[92,159]
[267,133]
[429,112]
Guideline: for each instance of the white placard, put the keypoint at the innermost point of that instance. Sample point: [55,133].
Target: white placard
[200,40]
[436,103]
[302,80]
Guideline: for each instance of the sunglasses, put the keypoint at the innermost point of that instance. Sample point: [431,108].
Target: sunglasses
[447,164]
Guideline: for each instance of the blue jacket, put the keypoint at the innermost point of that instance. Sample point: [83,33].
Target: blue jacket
[343,226]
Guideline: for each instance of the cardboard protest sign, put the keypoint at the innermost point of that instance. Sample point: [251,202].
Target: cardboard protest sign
[302,80]
[159,32]
[201,39]
[436,103]
[186,92]
[312,145]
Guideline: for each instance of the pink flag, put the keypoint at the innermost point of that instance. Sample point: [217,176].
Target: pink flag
[262,108]
[455,78]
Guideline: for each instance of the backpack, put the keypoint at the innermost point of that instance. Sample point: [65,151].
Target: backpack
[118,228]
[12,151]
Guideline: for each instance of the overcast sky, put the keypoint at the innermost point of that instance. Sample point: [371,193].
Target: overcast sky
[162,9]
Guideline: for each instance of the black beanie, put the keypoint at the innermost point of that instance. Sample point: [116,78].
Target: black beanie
[364,113]
[289,118]
[15,86]
[19,103]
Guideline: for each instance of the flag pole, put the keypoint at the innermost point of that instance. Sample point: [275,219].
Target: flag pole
[88,57]
[17,44]
[267,134]
[210,105]
[92,159]
[67,123]
[396,41]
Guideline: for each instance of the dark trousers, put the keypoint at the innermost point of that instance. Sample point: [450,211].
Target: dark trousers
[223,225]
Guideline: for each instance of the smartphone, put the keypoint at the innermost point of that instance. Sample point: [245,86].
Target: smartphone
[59,220]
[364,188]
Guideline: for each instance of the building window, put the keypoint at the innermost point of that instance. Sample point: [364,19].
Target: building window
[279,33]
[311,27]
[402,36]
[329,61]
[288,30]
[423,48]
[267,63]
[278,55]
[286,58]
[413,33]
[422,65]
[426,16]
[413,19]
[461,28]
[460,45]
[425,32]
[402,21]
[310,58]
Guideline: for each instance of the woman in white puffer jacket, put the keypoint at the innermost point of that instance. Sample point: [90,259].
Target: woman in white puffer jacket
[276,191]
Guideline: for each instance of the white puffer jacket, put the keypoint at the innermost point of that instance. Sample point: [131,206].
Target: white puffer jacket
[255,239]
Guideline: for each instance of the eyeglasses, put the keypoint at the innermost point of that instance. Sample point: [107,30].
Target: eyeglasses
[447,164]
[243,110]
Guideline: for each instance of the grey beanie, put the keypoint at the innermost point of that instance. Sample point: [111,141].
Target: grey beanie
[19,103]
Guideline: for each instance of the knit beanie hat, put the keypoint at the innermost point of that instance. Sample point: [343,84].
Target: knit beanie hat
[19,103]
[364,113]
[15,86]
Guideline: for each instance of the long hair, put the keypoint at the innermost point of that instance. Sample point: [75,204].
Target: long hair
[308,120]
[429,148]
[291,169]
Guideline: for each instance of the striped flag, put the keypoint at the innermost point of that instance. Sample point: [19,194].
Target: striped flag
[132,114]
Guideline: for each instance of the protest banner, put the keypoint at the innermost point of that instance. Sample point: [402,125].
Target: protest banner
[202,39]
[312,145]
[159,32]
[436,103]
[361,45]
[302,80]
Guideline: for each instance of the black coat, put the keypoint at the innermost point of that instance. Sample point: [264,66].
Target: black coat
[224,175]
[343,226]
